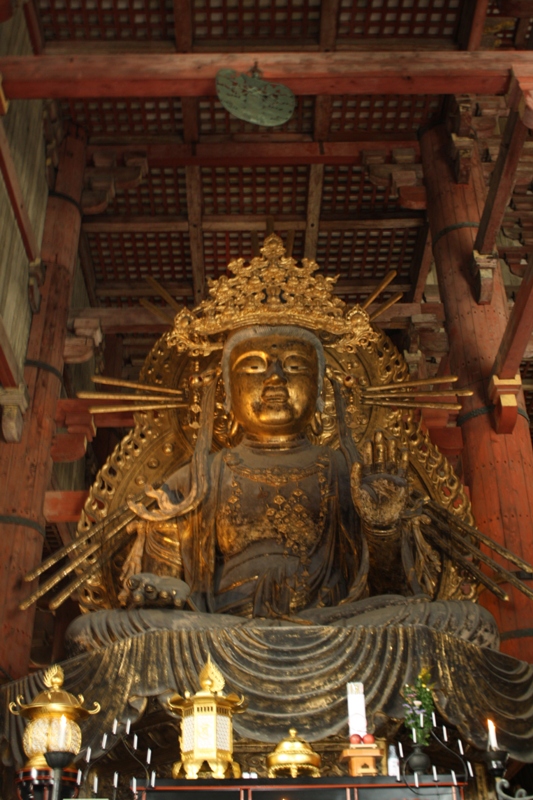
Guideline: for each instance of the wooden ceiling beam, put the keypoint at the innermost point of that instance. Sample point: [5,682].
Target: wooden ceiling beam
[518,331]
[105,223]
[228,154]
[504,174]
[193,74]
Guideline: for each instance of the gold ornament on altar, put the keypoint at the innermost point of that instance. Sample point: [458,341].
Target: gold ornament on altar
[293,757]
[53,716]
[206,728]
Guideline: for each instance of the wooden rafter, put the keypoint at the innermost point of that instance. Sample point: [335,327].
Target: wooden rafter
[193,74]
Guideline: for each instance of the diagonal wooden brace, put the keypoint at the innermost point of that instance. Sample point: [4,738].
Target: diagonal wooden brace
[482,269]
[503,394]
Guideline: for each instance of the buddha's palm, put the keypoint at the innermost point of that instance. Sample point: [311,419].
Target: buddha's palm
[379,483]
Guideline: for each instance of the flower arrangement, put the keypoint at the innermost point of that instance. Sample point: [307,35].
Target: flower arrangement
[419,707]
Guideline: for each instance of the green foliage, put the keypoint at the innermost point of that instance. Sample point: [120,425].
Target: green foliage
[419,707]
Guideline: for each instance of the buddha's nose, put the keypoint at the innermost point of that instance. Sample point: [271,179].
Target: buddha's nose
[275,373]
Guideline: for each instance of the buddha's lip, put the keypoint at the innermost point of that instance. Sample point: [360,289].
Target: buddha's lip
[275,393]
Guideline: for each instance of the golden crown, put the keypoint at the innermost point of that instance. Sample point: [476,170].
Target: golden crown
[271,290]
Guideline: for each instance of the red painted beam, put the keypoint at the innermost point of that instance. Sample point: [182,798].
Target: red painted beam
[193,74]
[518,331]
[65,506]
[75,412]
[14,191]
[254,153]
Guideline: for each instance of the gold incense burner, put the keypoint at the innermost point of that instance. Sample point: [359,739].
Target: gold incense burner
[294,757]
[206,729]
[53,716]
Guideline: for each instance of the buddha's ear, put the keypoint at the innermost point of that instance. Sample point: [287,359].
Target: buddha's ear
[316,422]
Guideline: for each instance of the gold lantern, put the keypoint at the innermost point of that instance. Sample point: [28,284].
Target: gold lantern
[293,757]
[206,729]
[53,719]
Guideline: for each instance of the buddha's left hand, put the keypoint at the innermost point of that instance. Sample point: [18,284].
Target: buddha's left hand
[379,483]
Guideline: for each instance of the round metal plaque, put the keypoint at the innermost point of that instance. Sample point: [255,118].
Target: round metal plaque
[252,99]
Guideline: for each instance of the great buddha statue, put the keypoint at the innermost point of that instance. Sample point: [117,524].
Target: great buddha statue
[279,508]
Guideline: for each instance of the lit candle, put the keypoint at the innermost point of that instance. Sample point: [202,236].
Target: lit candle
[128,726]
[416,780]
[454,778]
[356,708]
[400,749]
[435,776]
[115,780]
[135,742]
[148,756]
[152,778]
[470,770]
[460,746]
[104,741]
[95,784]
[134,785]
[33,774]
[88,756]
[115,726]
[444,733]
[62,738]
[493,742]
[79,777]
[414,735]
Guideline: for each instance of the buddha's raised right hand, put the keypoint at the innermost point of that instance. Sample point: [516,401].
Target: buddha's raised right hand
[379,483]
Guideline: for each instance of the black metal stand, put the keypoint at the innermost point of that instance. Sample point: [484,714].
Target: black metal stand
[58,760]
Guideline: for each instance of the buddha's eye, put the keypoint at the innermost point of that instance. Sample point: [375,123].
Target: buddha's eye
[252,365]
[296,364]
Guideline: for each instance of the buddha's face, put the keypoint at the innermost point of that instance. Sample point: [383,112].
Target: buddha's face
[274,385]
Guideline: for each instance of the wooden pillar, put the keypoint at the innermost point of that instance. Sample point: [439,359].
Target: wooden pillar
[498,468]
[26,467]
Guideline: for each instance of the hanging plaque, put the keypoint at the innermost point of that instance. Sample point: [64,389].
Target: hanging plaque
[252,99]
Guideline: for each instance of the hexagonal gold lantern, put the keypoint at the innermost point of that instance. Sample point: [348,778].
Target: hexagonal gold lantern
[206,728]
[53,719]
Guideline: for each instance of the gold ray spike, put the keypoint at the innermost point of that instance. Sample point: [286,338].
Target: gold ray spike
[422,393]
[144,407]
[87,395]
[159,312]
[413,404]
[76,543]
[62,573]
[383,285]
[385,306]
[75,563]
[133,385]
[162,292]
[81,579]
[408,384]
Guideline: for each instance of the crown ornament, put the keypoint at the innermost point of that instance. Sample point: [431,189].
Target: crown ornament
[271,290]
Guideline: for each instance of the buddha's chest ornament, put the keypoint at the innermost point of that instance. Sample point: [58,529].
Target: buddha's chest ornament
[286,505]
